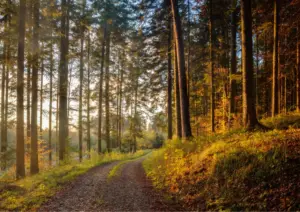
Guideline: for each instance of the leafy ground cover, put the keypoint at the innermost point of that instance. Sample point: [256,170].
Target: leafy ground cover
[31,192]
[232,171]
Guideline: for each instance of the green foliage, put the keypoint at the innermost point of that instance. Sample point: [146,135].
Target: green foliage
[31,192]
[233,171]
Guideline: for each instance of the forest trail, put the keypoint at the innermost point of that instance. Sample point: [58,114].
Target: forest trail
[130,190]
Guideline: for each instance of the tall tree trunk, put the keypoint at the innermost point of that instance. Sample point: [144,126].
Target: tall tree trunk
[63,81]
[80,91]
[20,162]
[233,67]
[41,99]
[120,101]
[34,164]
[88,144]
[169,54]
[184,101]
[135,113]
[275,87]
[211,58]
[100,109]
[3,143]
[298,68]
[249,113]
[177,96]
[107,121]
[50,101]
[256,75]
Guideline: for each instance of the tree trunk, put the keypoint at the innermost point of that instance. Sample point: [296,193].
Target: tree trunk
[170,116]
[20,160]
[233,67]
[298,68]
[50,101]
[177,96]
[41,99]
[120,101]
[80,92]
[249,113]
[101,89]
[211,58]
[3,142]
[88,144]
[107,121]
[184,101]
[275,87]
[34,164]
[63,82]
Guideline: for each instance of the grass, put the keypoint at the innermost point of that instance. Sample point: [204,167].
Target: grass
[31,192]
[283,121]
[232,171]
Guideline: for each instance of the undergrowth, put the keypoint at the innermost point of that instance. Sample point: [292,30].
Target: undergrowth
[31,192]
[233,171]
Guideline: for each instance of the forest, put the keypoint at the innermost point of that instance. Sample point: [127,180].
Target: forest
[149,105]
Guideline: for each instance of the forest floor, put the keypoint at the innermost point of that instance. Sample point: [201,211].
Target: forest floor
[118,186]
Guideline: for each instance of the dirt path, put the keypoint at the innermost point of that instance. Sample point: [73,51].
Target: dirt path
[93,191]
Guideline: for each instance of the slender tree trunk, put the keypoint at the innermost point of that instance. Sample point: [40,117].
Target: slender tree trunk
[107,121]
[256,75]
[80,92]
[88,144]
[184,101]
[135,113]
[298,68]
[3,142]
[41,100]
[50,101]
[5,138]
[29,66]
[177,96]
[34,164]
[63,82]
[120,101]
[249,112]
[211,58]
[170,115]
[233,68]
[20,162]
[275,87]
[101,89]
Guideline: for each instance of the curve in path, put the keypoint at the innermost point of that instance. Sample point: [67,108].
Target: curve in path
[129,191]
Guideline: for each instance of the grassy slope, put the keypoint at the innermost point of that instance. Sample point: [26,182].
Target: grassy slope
[31,192]
[235,171]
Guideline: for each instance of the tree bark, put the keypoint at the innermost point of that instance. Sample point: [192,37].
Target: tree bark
[177,96]
[20,160]
[249,112]
[211,58]
[63,82]
[275,86]
[107,120]
[169,54]
[100,107]
[80,92]
[298,68]
[88,144]
[184,101]
[34,164]
[233,61]
[50,101]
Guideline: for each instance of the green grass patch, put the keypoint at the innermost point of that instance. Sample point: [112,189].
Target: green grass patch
[31,192]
